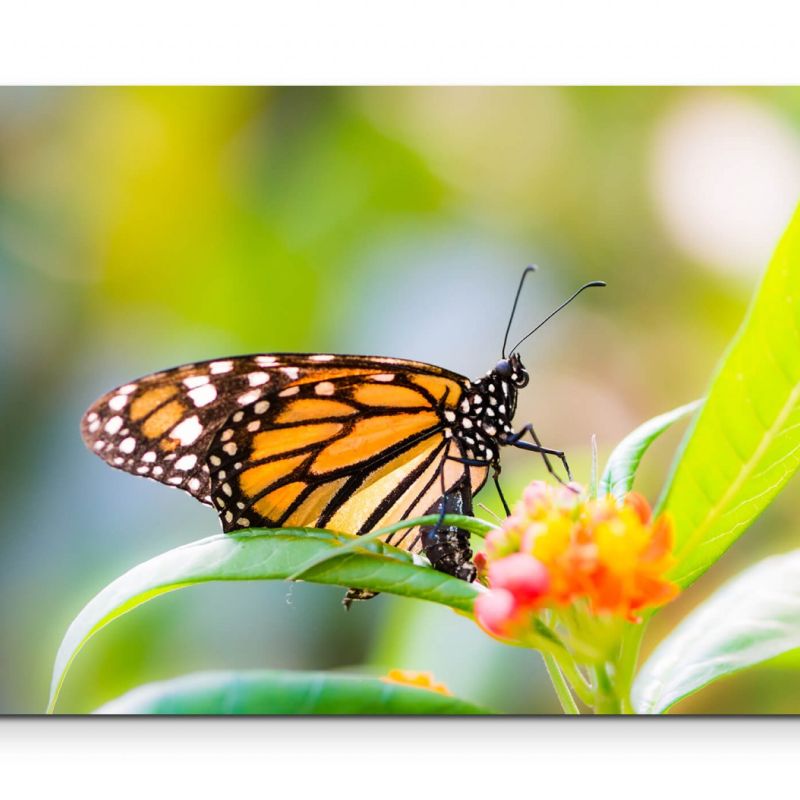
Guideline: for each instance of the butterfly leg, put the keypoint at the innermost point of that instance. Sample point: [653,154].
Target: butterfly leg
[515,441]
[476,462]
[357,594]
[496,479]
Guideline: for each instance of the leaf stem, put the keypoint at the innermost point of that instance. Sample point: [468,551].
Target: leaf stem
[563,693]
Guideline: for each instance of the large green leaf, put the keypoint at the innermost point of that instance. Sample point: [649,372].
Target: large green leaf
[752,618]
[745,442]
[268,692]
[623,462]
[266,555]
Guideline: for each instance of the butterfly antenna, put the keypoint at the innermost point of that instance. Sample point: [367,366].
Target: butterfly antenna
[563,305]
[530,268]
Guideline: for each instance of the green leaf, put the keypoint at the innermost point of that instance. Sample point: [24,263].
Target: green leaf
[745,443]
[276,692]
[752,618]
[264,555]
[471,524]
[621,468]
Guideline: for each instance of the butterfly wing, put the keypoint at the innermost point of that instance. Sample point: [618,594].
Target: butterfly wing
[344,442]
[345,449]
[161,425]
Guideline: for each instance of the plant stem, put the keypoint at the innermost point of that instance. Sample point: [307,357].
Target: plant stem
[607,701]
[576,679]
[628,660]
[560,685]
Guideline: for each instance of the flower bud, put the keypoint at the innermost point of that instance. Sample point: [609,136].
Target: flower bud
[496,611]
[522,575]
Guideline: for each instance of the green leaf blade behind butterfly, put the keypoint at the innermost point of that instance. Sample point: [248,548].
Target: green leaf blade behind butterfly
[278,692]
[623,463]
[752,618]
[260,555]
[744,444]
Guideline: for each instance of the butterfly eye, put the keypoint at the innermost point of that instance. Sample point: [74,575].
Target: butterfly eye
[503,368]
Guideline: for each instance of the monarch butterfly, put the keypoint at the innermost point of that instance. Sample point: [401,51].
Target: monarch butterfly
[343,442]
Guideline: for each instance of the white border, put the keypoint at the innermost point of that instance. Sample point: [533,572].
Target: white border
[392,42]
[327,759]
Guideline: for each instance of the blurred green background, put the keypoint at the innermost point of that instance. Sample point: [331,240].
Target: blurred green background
[144,227]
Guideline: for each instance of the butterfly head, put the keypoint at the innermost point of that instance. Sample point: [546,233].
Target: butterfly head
[511,369]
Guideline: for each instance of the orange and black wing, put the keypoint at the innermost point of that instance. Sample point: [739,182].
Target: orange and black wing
[350,448]
[342,442]
[160,426]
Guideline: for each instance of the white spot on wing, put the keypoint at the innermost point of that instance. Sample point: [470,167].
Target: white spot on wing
[127,389]
[383,377]
[266,361]
[149,456]
[194,381]
[324,388]
[127,445]
[187,431]
[289,392]
[220,367]
[118,402]
[203,395]
[321,358]
[257,378]
[290,372]
[113,425]
[186,462]
[248,397]
[261,407]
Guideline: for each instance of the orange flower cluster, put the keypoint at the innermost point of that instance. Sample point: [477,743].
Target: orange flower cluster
[559,547]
